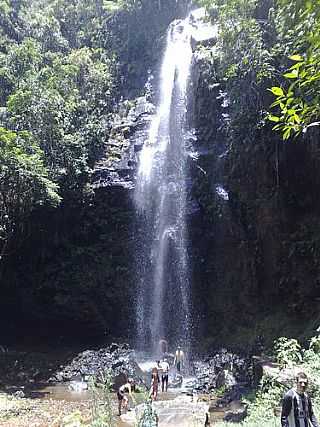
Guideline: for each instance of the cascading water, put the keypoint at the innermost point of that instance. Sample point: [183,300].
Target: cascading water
[163,303]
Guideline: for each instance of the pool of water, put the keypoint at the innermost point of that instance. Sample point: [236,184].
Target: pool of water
[63,392]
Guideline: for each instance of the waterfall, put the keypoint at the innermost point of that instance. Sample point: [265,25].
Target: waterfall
[163,300]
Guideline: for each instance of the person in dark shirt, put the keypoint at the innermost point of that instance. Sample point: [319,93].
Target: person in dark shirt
[297,408]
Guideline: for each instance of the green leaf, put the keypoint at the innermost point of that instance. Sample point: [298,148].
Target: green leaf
[296,58]
[292,75]
[273,118]
[297,118]
[286,133]
[277,91]
[296,66]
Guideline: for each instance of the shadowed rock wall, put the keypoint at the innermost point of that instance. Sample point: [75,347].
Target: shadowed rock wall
[255,247]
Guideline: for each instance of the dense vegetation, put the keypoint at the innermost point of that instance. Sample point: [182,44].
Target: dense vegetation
[277,44]
[264,406]
[64,67]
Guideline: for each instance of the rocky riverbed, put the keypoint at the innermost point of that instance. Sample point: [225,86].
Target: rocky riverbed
[50,389]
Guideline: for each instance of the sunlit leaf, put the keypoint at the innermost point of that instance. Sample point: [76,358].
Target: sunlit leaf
[296,66]
[286,134]
[297,118]
[296,58]
[277,91]
[273,118]
[292,75]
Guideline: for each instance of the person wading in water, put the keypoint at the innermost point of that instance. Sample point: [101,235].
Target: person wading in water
[154,384]
[164,375]
[123,395]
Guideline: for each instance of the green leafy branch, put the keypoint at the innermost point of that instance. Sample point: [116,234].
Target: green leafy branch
[298,106]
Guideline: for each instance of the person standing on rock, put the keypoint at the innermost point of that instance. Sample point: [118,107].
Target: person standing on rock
[297,408]
[164,375]
[123,395]
[179,359]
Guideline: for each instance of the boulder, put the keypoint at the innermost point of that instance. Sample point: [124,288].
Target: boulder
[235,415]
[117,360]
[179,412]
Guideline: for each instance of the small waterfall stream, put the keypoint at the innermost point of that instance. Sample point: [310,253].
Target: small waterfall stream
[163,301]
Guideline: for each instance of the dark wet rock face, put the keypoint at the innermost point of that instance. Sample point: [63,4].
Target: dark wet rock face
[255,234]
[26,370]
[129,131]
[117,360]
[22,368]
[223,370]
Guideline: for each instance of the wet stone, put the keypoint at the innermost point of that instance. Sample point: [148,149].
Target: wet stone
[117,360]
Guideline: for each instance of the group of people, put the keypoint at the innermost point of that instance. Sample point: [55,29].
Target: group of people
[297,410]
[125,391]
[159,375]
[160,370]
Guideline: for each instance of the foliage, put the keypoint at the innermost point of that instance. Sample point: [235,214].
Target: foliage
[73,420]
[57,89]
[24,182]
[261,42]
[114,6]
[149,417]
[102,410]
[220,392]
[267,400]
[315,344]
[241,59]
[297,100]
[288,351]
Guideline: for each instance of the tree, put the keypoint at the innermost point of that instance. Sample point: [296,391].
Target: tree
[297,101]
[241,59]
[24,183]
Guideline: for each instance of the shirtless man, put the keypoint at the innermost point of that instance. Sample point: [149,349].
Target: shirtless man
[179,359]
[124,391]
[164,375]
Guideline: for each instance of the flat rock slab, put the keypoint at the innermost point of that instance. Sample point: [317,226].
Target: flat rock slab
[179,412]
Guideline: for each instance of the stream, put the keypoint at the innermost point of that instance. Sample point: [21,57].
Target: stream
[178,407]
[35,387]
